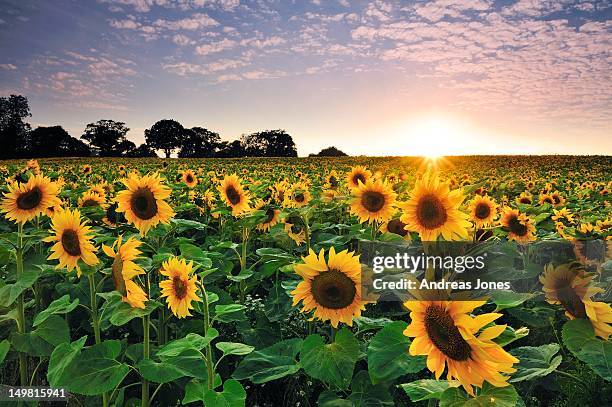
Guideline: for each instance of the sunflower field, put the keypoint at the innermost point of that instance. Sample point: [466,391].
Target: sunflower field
[167,282]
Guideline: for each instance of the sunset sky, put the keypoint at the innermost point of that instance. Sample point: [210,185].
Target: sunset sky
[376,78]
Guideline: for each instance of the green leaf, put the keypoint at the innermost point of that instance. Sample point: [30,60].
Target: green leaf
[331,363]
[509,299]
[229,312]
[538,316]
[368,324]
[510,335]
[191,341]
[388,356]
[233,395]
[170,369]
[366,394]
[10,292]
[579,337]
[426,389]
[95,370]
[60,359]
[278,304]
[42,341]
[274,362]
[234,348]
[62,305]
[4,348]
[535,361]
[123,313]
[196,388]
[488,396]
[329,398]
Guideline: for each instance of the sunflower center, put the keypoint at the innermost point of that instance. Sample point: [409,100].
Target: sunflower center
[29,200]
[143,203]
[373,201]
[333,289]
[232,195]
[269,215]
[556,199]
[548,200]
[525,200]
[70,242]
[445,335]
[431,212]
[482,210]
[111,213]
[397,226]
[90,202]
[571,302]
[299,197]
[180,287]
[189,179]
[117,270]
[357,178]
[517,227]
[333,181]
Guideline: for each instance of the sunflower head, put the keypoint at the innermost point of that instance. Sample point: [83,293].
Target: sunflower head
[519,226]
[298,196]
[433,210]
[189,178]
[295,229]
[452,339]
[143,202]
[397,227]
[179,287]
[483,210]
[330,287]
[25,201]
[90,199]
[234,195]
[124,270]
[373,201]
[72,240]
[356,175]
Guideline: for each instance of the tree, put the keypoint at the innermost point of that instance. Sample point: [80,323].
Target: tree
[166,135]
[54,141]
[230,149]
[142,150]
[199,142]
[330,152]
[13,130]
[269,143]
[107,138]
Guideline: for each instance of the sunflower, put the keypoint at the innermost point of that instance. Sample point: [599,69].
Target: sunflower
[433,210]
[234,194]
[331,288]
[561,214]
[373,201]
[446,333]
[72,240]
[111,217]
[280,190]
[124,270]
[558,199]
[23,202]
[298,196]
[519,226]
[86,169]
[525,198]
[143,202]
[332,180]
[546,198]
[180,287]
[397,227]
[272,218]
[483,210]
[92,199]
[189,178]
[295,229]
[570,286]
[356,175]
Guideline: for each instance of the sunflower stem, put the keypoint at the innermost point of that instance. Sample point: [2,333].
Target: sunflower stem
[243,262]
[209,361]
[144,398]
[95,320]
[573,377]
[432,403]
[21,322]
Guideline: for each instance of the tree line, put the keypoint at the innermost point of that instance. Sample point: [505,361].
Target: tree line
[107,138]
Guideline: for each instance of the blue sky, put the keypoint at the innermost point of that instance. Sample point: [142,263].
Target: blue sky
[380,77]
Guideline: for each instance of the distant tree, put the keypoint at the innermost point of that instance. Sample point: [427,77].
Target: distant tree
[230,149]
[54,141]
[142,150]
[107,138]
[165,135]
[13,129]
[269,143]
[199,142]
[330,152]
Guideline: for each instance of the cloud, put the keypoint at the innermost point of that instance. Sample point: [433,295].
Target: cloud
[182,40]
[214,47]
[195,22]
[145,6]
[8,67]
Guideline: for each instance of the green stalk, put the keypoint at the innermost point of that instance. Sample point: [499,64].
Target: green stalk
[243,262]
[21,322]
[144,399]
[209,362]
[95,320]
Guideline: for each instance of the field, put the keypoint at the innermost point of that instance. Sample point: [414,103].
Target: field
[238,282]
